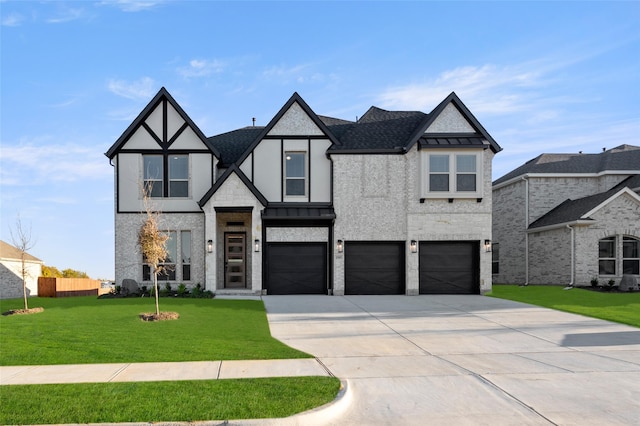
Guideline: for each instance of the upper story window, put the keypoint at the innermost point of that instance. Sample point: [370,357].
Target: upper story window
[166,175]
[295,172]
[153,175]
[452,174]
[178,175]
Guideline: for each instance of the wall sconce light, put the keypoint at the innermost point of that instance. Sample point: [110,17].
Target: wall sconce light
[487,245]
[414,246]
[210,246]
[340,246]
[256,245]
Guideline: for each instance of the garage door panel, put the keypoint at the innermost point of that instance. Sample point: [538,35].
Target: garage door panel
[449,268]
[374,268]
[296,268]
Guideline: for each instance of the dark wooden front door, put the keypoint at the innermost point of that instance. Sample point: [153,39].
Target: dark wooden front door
[235,260]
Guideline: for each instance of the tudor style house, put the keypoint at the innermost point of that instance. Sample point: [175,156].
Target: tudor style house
[568,218]
[398,202]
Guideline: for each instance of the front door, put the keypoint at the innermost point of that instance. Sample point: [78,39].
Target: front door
[234,260]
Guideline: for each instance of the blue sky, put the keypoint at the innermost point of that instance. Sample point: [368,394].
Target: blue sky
[540,76]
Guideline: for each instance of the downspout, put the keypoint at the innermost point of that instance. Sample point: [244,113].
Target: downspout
[526,226]
[573,243]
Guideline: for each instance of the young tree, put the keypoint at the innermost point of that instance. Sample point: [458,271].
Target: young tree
[153,242]
[21,239]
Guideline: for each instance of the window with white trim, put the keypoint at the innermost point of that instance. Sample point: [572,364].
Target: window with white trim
[451,174]
[630,256]
[295,173]
[607,256]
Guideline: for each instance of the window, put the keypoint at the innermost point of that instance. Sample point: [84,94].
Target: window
[439,173]
[153,175]
[465,173]
[178,176]
[630,256]
[169,265]
[185,250]
[495,258]
[173,182]
[607,256]
[295,174]
[451,174]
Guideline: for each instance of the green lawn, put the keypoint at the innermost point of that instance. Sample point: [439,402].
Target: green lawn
[85,330]
[164,401]
[79,330]
[618,307]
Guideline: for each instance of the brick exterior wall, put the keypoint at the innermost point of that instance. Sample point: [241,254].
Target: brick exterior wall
[390,210]
[232,193]
[509,206]
[129,258]
[550,251]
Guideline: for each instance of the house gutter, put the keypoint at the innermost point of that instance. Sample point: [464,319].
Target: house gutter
[526,226]
[573,243]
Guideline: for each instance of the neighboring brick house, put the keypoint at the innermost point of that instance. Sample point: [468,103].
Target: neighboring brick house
[11,272]
[568,218]
[398,202]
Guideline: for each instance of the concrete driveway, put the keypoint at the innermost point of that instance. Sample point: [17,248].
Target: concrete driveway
[459,360]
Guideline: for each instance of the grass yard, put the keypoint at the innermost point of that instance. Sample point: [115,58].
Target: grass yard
[87,330]
[80,330]
[151,402]
[618,307]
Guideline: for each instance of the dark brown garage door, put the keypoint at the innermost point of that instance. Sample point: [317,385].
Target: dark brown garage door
[374,267]
[296,268]
[449,267]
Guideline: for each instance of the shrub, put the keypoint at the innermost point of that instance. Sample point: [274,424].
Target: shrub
[594,282]
[182,290]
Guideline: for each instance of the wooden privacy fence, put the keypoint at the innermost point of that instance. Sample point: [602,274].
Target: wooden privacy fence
[66,287]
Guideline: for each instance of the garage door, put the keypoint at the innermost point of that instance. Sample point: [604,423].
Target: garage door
[296,268]
[449,268]
[374,267]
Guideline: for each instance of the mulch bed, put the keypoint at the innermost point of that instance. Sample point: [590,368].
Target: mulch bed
[23,311]
[603,289]
[162,316]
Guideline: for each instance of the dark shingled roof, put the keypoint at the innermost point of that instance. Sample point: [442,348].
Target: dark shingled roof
[378,129]
[232,145]
[573,210]
[623,157]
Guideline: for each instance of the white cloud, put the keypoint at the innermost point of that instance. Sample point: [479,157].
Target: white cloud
[488,89]
[133,5]
[201,68]
[40,161]
[12,20]
[67,15]
[142,89]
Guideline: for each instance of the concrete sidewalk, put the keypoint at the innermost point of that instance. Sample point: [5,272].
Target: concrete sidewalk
[159,371]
